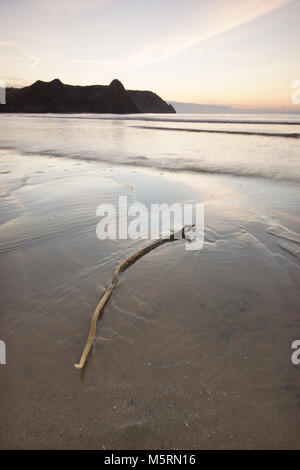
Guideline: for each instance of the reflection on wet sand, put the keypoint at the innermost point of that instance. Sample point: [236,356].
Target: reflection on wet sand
[194,348]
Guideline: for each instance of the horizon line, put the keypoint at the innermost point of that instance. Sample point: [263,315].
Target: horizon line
[230,107]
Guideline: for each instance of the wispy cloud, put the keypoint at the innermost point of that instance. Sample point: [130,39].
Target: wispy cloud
[23,54]
[228,53]
[231,14]
[35,60]
[57,42]
[70,6]
[91,61]
[7,43]
[13,81]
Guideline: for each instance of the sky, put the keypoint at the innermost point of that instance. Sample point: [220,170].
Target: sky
[241,53]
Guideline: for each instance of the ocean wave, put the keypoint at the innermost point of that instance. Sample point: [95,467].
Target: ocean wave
[206,120]
[218,131]
[169,164]
[265,152]
[178,118]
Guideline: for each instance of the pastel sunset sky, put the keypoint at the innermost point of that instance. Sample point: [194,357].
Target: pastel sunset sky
[226,52]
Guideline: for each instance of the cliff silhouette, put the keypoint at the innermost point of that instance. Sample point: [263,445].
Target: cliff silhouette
[57,97]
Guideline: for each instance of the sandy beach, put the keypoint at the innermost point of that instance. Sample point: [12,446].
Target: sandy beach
[194,348]
[150,228]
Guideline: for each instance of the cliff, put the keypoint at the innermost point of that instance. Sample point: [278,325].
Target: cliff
[56,97]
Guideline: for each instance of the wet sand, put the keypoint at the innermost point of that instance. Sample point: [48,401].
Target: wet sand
[194,348]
